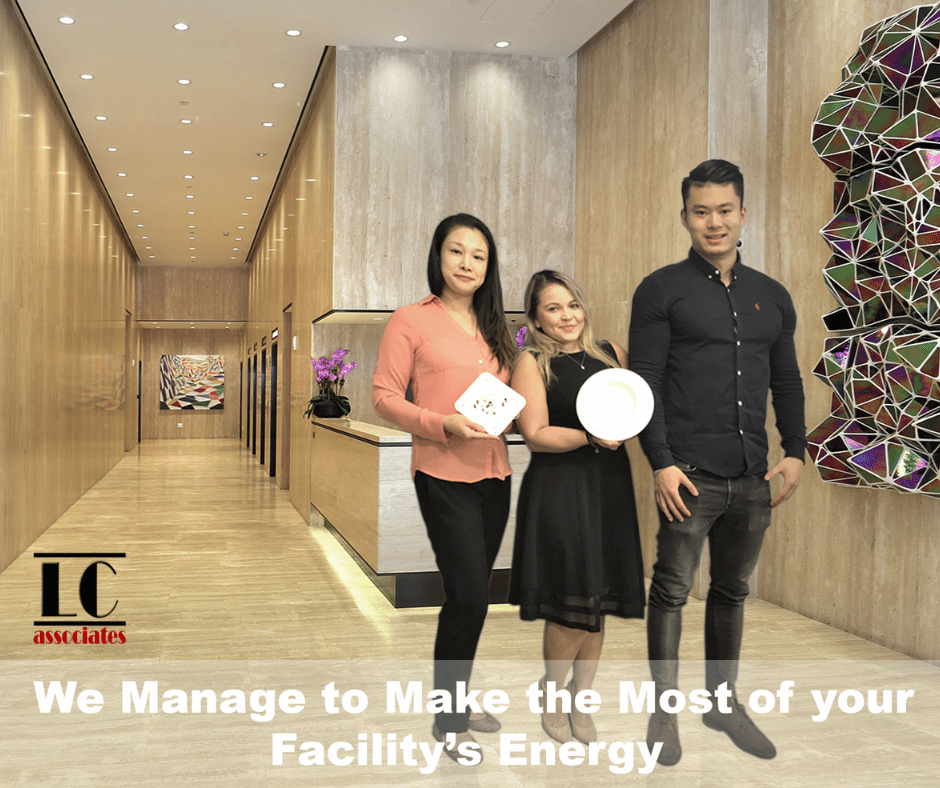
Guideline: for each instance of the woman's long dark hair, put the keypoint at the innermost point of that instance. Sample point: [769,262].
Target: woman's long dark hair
[488,299]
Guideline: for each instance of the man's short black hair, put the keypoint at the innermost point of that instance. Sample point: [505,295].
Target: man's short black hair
[716,171]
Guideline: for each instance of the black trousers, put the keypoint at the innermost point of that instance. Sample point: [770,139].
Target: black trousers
[465,523]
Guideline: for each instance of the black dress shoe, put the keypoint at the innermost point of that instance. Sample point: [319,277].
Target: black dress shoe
[664,727]
[741,729]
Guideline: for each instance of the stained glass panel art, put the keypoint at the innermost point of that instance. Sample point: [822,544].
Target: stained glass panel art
[879,133]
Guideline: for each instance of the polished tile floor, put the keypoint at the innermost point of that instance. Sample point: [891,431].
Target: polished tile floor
[228,596]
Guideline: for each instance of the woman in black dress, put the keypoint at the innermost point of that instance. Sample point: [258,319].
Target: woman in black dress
[577,549]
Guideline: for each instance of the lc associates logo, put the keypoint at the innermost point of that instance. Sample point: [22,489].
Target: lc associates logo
[88,620]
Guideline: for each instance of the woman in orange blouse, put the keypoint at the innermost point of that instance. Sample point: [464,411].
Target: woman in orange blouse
[440,346]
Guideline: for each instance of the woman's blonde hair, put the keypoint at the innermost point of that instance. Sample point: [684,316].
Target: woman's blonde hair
[540,344]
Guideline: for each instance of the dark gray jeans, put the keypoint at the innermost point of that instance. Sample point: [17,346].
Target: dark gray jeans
[733,514]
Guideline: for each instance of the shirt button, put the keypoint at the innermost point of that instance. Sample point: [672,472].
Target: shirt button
[739,343]
[741,432]
[740,403]
[739,372]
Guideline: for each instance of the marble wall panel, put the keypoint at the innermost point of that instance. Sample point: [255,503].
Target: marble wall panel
[424,134]
[392,154]
[192,293]
[737,107]
[512,143]
[66,284]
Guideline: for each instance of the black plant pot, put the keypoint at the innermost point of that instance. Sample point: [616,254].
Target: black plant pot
[327,409]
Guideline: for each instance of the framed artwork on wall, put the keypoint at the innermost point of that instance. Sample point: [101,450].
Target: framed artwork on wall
[192,382]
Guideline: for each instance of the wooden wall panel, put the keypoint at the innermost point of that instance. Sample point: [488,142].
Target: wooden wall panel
[66,282]
[865,561]
[162,424]
[642,125]
[292,268]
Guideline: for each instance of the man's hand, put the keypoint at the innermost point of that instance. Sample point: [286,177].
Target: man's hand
[790,468]
[459,425]
[667,482]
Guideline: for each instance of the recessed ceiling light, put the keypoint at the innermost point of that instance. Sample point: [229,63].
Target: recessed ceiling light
[151,257]
[192,248]
[249,198]
[101,117]
[188,177]
[129,194]
[502,44]
[400,39]
[190,212]
[234,248]
[181,26]
[136,210]
[238,239]
[259,154]
[122,175]
[280,84]
[145,237]
[192,257]
[184,81]
[66,20]
[186,120]
[187,152]
[293,33]
[241,227]
[244,213]
[192,227]
[140,225]
[254,178]
[148,247]
[231,258]
[190,197]
[88,76]
[267,124]
[112,150]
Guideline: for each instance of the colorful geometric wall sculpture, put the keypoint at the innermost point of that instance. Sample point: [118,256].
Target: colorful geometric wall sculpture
[192,382]
[879,132]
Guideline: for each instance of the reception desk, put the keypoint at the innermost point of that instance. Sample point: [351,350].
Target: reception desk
[361,489]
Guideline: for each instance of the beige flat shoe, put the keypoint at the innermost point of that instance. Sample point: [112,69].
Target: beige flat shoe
[454,754]
[585,734]
[560,733]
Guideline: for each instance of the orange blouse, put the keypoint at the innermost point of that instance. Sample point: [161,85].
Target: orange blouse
[424,346]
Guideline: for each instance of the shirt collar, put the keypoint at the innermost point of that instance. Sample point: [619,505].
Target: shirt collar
[709,270]
[429,299]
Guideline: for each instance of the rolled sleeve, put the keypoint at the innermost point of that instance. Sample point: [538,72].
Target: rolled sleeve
[394,370]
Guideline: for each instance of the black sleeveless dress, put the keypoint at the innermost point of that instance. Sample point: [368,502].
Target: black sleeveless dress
[577,548]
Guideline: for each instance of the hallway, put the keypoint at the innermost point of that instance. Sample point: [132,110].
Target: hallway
[224,585]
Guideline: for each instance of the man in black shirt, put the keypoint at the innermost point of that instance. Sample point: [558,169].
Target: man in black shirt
[710,336]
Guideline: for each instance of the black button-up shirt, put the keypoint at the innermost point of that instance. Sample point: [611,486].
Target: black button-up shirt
[710,353]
